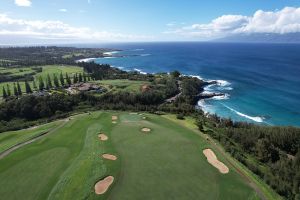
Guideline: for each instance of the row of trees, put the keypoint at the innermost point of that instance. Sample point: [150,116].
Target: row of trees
[55,81]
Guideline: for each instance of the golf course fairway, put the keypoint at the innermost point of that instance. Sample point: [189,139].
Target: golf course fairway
[164,162]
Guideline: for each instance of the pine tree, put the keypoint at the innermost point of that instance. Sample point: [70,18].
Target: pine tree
[8,90]
[4,94]
[62,80]
[19,89]
[41,83]
[55,80]
[15,90]
[75,79]
[84,77]
[49,82]
[27,88]
[68,79]
[89,78]
[80,78]
[34,85]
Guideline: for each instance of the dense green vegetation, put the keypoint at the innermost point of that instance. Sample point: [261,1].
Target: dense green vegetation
[273,153]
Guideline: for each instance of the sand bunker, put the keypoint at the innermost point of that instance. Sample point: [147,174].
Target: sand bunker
[114,118]
[102,137]
[146,129]
[102,186]
[109,157]
[213,160]
[114,122]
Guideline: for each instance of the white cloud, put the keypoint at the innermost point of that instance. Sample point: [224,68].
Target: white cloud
[24,3]
[18,29]
[282,21]
[63,10]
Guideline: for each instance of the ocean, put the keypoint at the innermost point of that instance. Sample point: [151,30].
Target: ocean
[261,81]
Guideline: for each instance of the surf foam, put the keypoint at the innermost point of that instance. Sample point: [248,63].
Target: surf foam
[256,119]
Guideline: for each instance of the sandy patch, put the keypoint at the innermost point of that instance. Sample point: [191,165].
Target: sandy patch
[102,137]
[213,160]
[114,122]
[109,157]
[102,186]
[144,117]
[146,129]
[114,118]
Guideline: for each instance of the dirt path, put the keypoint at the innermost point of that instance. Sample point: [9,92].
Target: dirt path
[19,145]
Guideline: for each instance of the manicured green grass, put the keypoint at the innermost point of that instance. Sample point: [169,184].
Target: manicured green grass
[17,71]
[11,138]
[57,69]
[121,84]
[166,163]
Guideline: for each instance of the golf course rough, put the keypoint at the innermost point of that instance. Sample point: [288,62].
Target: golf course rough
[167,164]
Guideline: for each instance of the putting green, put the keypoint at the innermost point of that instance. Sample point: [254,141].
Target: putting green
[166,163]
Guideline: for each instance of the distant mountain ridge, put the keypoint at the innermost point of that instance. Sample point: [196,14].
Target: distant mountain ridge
[263,38]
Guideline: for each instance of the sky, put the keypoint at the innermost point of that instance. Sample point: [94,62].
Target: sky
[75,21]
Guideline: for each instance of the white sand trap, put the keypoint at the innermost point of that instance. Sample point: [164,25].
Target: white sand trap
[213,160]
[109,157]
[114,118]
[144,117]
[102,186]
[146,129]
[114,122]
[102,137]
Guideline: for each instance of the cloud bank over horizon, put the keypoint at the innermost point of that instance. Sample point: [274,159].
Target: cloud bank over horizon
[286,20]
[35,31]
[22,31]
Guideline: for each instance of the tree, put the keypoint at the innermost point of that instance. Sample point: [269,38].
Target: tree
[4,94]
[175,74]
[68,79]
[19,89]
[62,80]
[84,77]
[49,82]
[27,88]
[75,78]
[8,90]
[80,78]
[15,90]
[55,80]
[41,83]
[34,85]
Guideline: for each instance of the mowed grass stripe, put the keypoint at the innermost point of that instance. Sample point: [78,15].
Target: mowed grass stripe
[33,171]
[168,163]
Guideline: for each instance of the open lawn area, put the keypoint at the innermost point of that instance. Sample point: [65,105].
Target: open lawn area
[122,84]
[164,161]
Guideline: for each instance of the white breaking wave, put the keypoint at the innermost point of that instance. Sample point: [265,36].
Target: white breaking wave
[145,54]
[140,71]
[109,53]
[223,97]
[195,76]
[256,119]
[137,50]
[86,60]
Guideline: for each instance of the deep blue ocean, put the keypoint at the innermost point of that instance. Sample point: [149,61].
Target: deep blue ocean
[261,81]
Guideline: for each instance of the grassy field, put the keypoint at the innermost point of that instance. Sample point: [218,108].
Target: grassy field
[166,163]
[11,138]
[50,69]
[125,85]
